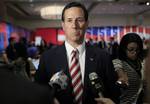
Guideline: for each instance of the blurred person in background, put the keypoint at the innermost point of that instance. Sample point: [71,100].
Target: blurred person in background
[3,57]
[102,43]
[11,49]
[33,58]
[42,47]
[22,64]
[146,45]
[112,48]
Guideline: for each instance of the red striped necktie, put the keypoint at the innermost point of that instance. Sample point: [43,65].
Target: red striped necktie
[75,73]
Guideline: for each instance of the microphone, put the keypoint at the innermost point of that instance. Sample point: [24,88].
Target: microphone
[59,81]
[97,84]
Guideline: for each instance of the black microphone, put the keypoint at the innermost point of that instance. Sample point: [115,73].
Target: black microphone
[59,81]
[97,84]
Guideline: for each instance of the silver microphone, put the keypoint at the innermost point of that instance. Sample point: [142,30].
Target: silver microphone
[96,83]
[59,81]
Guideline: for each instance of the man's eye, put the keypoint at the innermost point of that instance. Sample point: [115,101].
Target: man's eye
[80,20]
[69,20]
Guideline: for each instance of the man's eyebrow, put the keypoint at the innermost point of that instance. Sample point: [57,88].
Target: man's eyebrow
[69,18]
[73,17]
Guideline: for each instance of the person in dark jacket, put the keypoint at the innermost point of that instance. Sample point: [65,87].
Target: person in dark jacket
[15,89]
[91,59]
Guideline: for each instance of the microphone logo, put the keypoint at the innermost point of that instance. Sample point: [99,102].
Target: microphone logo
[59,81]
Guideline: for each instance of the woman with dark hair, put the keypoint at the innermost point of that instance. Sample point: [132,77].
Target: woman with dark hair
[129,67]
[42,47]
[127,40]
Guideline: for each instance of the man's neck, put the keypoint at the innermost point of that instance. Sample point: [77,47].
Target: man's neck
[75,44]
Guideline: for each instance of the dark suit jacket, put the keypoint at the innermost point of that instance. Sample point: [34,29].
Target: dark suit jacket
[96,60]
[14,89]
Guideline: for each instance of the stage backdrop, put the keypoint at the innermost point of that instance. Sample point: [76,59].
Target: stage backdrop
[8,30]
[110,31]
[57,36]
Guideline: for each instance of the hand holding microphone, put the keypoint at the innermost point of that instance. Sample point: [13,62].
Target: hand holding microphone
[122,79]
[104,101]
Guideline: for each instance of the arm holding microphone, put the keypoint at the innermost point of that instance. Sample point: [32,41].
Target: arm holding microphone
[122,75]
[104,101]
[58,82]
[97,86]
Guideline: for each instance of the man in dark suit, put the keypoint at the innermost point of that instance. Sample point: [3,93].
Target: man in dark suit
[14,89]
[91,59]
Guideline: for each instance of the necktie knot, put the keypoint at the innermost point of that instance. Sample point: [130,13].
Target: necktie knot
[74,54]
[75,51]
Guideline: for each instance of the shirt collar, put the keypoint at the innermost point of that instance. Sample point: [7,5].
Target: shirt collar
[69,48]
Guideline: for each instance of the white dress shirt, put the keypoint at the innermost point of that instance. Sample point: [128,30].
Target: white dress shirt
[81,49]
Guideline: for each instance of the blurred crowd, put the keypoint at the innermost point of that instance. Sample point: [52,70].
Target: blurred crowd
[24,55]
[128,57]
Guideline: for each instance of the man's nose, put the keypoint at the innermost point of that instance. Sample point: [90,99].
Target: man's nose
[74,24]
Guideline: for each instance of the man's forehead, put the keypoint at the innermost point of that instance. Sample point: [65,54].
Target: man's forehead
[73,17]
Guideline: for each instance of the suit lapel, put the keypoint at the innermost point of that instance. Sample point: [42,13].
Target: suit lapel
[90,62]
[62,59]
[90,66]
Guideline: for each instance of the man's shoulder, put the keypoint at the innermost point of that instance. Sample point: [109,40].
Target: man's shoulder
[97,50]
[53,49]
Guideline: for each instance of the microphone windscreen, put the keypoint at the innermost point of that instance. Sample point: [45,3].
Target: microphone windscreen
[59,81]
[96,84]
